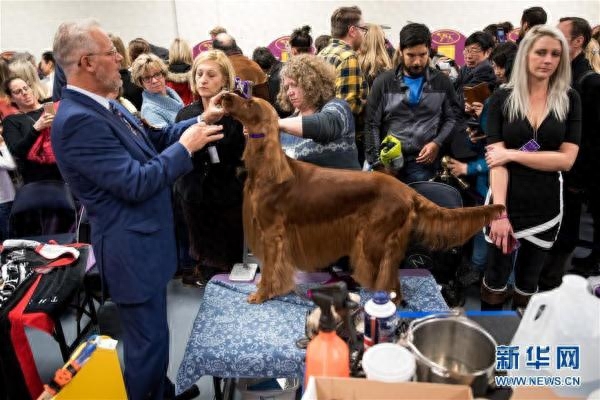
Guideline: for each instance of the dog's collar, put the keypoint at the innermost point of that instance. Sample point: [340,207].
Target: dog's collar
[256,135]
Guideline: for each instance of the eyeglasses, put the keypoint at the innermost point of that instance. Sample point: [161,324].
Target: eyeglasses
[148,79]
[21,91]
[472,51]
[111,53]
[364,29]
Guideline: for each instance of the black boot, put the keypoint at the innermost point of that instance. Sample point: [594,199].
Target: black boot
[493,299]
[194,277]
[520,299]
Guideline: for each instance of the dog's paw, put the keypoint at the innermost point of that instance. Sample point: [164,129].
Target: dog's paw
[255,298]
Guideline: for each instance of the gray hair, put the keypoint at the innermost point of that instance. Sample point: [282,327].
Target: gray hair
[72,41]
[517,105]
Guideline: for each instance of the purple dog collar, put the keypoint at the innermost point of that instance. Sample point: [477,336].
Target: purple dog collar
[257,135]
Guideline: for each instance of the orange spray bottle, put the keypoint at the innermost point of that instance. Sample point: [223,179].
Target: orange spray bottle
[327,354]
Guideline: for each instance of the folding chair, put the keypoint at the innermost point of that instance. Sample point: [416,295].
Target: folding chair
[442,264]
[44,211]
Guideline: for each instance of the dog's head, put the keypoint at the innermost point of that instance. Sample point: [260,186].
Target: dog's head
[263,153]
[256,114]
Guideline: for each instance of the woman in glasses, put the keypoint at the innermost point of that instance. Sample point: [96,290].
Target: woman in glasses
[160,103]
[21,131]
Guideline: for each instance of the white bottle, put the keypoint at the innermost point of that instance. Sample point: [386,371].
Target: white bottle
[380,319]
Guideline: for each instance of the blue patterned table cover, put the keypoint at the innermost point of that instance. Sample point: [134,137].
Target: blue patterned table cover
[231,338]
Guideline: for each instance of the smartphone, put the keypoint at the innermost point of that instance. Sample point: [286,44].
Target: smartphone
[49,108]
[513,244]
[500,35]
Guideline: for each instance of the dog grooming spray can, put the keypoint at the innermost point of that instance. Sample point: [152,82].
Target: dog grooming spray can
[327,354]
[380,319]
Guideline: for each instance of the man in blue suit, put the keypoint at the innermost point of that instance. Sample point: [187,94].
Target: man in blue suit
[122,171]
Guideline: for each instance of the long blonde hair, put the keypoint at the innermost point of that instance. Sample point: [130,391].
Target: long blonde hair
[373,57]
[592,53]
[517,105]
[26,71]
[180,52]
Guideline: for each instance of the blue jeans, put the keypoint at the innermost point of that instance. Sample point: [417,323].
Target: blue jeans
[4,215]
[480,249]
[415,172]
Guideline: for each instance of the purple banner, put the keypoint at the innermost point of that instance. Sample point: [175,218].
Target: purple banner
[279,48]
[450,43]
[201,47]
[514,35]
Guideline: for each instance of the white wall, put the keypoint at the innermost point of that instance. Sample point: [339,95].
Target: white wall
[30,25]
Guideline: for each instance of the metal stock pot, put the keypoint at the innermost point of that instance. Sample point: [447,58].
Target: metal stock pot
[450,348]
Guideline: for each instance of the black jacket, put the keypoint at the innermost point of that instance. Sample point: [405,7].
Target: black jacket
[585,169]
[388,112]
[131,91]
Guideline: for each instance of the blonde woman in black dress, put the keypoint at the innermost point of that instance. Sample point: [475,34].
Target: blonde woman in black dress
[534,129]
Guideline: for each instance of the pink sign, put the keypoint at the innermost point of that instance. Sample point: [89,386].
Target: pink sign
[514,35]
[201,47]
[279,48]
[450,43]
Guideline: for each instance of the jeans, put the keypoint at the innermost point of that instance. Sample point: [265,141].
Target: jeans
[415,172]
[4,216]
[480,250]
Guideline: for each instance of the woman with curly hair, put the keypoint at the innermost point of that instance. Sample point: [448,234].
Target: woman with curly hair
[322,125]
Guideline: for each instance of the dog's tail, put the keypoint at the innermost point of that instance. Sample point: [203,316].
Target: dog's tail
[443,228]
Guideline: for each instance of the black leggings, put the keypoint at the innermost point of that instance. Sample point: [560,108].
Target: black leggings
[528,265]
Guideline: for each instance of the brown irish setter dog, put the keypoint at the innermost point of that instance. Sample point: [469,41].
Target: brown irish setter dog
[298,215]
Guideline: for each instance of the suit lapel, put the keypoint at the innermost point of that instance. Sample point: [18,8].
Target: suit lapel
[119,127]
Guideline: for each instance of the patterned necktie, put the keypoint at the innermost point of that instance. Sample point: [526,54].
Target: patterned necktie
[115,110]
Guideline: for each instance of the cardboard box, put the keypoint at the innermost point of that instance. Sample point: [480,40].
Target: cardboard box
[363,389]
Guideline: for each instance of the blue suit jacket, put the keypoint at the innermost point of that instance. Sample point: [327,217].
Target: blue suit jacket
[124,181]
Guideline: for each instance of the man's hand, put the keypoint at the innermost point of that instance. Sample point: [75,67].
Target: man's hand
[199,135]
[428,153]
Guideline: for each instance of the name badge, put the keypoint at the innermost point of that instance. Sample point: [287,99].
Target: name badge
[530,146]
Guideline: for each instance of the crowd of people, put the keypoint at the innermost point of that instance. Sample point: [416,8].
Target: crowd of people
[138,134]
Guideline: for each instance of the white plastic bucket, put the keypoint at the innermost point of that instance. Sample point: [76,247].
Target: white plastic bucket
[389,362]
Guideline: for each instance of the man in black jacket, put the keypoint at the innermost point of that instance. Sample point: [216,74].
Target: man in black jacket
[581,182]
[415,103]
[477,69]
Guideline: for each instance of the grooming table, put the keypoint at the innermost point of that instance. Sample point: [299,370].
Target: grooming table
[231,338]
